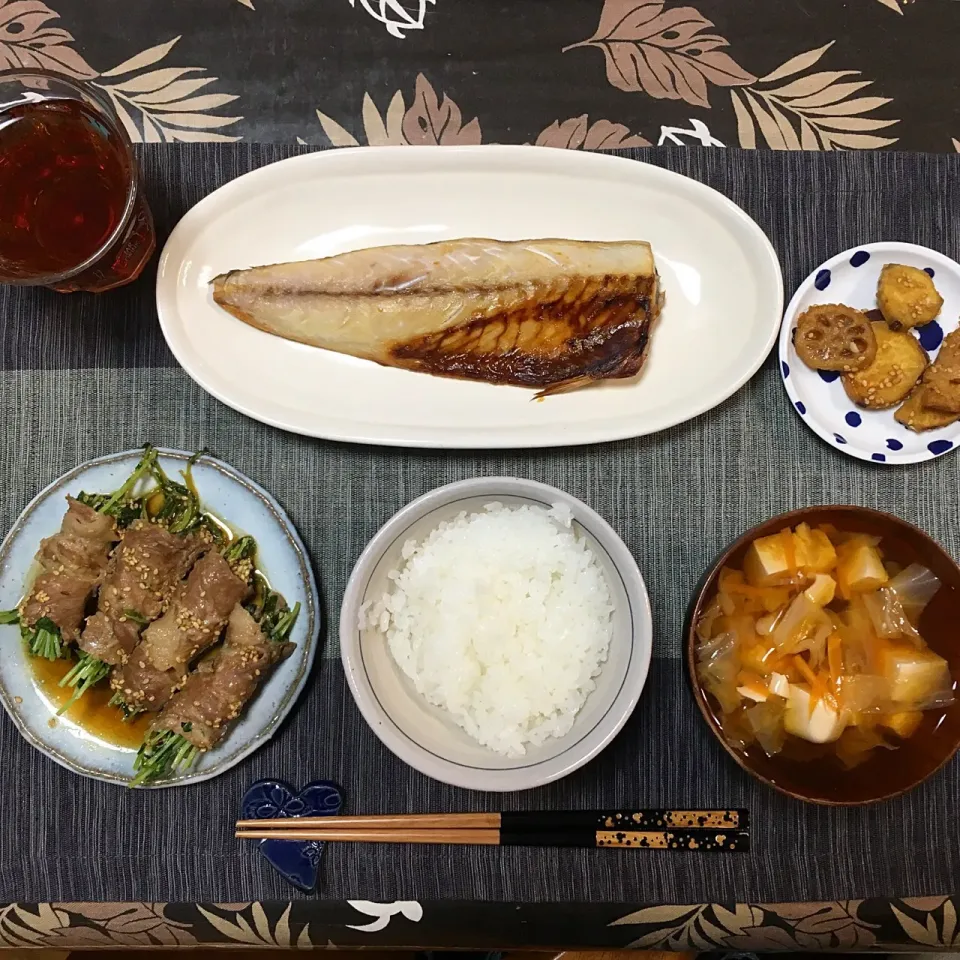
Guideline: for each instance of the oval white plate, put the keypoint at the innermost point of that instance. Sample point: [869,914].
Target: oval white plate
[851,278]
[425,736]
[721,277]
[281,555]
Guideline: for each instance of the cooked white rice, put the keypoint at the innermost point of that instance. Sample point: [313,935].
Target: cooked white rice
[502,618]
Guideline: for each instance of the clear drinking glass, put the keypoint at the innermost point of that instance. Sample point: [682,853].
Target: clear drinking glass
[72,211]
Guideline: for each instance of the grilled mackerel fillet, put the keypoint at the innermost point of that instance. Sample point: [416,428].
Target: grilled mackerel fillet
[548,314]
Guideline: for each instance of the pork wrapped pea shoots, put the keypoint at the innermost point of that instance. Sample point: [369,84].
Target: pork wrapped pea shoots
[197,717]
[166,532]
[157,666]
[72,564]
[144,570]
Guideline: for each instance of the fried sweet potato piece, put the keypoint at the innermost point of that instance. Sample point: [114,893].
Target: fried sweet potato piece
[915,415]
[942,391]
[942,377]
[898,365]
[831,336]
[906,296]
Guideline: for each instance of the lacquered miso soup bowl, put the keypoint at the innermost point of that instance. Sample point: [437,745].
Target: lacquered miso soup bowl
[885,773]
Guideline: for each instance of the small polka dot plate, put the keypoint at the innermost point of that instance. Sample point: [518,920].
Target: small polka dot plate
[818,397]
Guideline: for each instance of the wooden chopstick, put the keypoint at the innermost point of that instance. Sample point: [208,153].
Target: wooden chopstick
[636,829]
[415,821]
[487,837]
[681,840]
[653,819]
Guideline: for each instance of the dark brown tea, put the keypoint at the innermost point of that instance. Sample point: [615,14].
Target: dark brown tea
[71,213]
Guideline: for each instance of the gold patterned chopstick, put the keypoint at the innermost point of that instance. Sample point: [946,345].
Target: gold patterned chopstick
[686,840]
[644,829]
[651,819]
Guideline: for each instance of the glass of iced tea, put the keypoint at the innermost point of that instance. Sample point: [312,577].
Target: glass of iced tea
[72,210]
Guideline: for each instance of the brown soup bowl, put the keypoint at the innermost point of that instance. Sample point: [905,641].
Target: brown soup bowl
[884,774]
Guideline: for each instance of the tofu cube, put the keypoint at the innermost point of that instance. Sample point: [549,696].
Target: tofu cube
[823,724]
[860,569]
[779,685]
[915,675]
[753,687]
[765,563]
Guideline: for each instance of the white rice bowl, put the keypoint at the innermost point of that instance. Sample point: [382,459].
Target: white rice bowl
[503,619]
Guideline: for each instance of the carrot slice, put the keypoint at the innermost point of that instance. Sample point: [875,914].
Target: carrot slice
[818,690]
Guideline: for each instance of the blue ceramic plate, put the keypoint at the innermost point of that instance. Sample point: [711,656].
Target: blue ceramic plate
[282,557]
[851,278]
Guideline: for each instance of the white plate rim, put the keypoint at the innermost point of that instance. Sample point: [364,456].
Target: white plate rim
[892,458]
[423,437]
[515,779]
[293,692]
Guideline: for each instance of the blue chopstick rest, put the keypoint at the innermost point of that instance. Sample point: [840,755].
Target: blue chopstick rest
[298,862]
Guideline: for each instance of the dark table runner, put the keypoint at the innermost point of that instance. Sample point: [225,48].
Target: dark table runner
[82,376]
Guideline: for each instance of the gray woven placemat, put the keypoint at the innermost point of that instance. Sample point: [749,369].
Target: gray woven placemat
[82,376]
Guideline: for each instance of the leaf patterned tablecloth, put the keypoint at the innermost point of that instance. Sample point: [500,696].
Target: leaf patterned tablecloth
[590,74]
[580,74]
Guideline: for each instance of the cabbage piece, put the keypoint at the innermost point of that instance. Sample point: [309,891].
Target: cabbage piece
[914,587]
[889,617]
[766,625]
[862,648]
[903,724]
[863,693]
[722,645]
[725,693]
[815,644]
[857,743]
[766,722]
[736,731]
[718,669]
[760,657]
[707,620]
[744,629]
[727,603]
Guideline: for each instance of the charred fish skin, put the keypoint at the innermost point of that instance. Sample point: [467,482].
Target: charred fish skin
[557,338]
[545,314]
